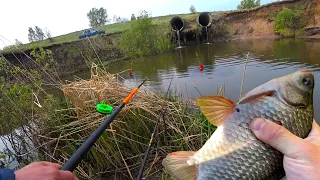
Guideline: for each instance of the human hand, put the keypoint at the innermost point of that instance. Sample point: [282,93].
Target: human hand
[44,171]
[301,156]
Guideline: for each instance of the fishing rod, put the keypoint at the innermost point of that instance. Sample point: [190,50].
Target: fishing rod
[150,142]
[75,159]
[147,152]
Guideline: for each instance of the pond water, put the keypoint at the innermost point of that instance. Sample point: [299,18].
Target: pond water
[223,66]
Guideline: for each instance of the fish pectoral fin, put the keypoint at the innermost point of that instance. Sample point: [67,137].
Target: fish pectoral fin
[216,108]
[177,165]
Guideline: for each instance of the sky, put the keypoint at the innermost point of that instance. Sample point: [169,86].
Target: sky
[65,16]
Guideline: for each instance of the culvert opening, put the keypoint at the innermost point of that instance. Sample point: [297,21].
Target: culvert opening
[204,19]
[177,23]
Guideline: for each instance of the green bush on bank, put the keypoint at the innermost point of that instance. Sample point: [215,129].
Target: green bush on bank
[289,23]
[21,105]
[143,38]
[15,105]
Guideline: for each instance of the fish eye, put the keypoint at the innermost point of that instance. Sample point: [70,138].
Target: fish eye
[307,82]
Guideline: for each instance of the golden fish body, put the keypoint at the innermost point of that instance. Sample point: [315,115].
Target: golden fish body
[233,151]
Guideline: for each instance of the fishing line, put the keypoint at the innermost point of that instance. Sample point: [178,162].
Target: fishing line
[243,76]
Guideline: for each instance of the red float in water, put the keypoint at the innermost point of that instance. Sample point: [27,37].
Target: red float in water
[131,74]
[201,67]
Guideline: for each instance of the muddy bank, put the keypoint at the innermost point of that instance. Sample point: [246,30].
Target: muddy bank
[74,56]
[259,22]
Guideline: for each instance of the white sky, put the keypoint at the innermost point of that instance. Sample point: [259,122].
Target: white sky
[65,16]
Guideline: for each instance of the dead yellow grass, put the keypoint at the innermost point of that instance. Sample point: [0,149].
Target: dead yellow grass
[121,148]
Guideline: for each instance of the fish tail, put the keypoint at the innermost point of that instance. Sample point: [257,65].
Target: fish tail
[180,166]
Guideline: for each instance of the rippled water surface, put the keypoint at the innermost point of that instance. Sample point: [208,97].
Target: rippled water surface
[223,66]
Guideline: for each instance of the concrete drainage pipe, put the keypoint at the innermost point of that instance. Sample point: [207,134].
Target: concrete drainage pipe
[204,19]
[177,24]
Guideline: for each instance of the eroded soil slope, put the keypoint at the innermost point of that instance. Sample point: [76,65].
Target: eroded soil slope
[259,22]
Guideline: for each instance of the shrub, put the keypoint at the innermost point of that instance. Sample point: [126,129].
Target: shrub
[289,23]
[19,85]
[143,38]
[22,107]
[248,4]
[221,31]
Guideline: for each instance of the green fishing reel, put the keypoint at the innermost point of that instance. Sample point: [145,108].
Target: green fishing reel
[104,108]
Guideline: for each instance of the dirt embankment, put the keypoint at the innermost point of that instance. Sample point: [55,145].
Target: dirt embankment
[74,56]
[259,22]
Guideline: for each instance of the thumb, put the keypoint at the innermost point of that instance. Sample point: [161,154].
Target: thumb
[277,136]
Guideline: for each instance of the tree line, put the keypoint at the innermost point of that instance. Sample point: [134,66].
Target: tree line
[99,17]
[38,34]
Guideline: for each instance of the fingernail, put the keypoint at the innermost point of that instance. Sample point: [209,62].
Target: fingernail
[257,124]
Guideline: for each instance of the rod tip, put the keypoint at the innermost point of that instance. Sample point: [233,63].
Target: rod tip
[142,82]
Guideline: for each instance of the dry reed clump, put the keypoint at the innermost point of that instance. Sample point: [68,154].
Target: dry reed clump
[104,87]
[120,149]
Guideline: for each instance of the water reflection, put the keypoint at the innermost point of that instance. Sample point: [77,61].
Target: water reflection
[223,66]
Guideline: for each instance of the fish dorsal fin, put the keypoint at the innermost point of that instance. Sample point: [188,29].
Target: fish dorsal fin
[251,96]
[216,108]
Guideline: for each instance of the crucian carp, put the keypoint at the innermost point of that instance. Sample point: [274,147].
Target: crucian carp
[233,151]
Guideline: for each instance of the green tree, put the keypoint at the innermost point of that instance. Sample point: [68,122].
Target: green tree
[39,33]
[118,19]
[47,34]
[35,34]
[248,4]
[17,42]
[144,15]
[97,17]
[133,17]
[192,9]
[31,35]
